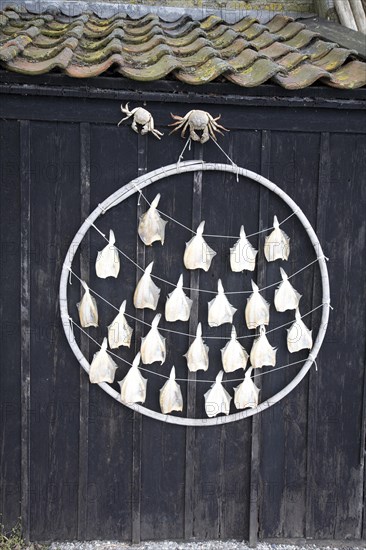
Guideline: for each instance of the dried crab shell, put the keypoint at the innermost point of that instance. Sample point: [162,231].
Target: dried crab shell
[88,311]
[217,399]
[242,254]
[107,263]
[233,355]
[298,335]
[119,331]
[197,354]
[220,311]
[146,293]
[286,297]
[262,353]
[277,244]
[133,385]
[153,346]
[246,394]
[102,368]
[178,305]
[171,395]
[257,309]
[151,227]
[198,255]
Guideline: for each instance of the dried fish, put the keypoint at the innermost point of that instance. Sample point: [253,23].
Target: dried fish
[178,305]
[233,355]
[220,311]
[277,244]
[133,386]
[107,262]
[119,331]
[298,335]
[197,354]
[246,394]
[153,344]
[102,368]
[257,309]
[242,254]
[151,227]
[217,399]
[198,255]
[146,293]
[171,395]
[286,297]
[262,353]
[88,311]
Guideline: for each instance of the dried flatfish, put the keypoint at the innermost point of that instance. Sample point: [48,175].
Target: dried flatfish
[107,262]
[102,368]
[242,254]
[88,311]
[298,335]
[277,244]
[146,293]
[197,354]
[257,309]
[286,297]
[151,226]
[133,386]
[246,394]
[153,344]
[220,311]
[178,305]
[217,399]
[170,395]
[198,255]
[233,355]
[119,331]
[262,353]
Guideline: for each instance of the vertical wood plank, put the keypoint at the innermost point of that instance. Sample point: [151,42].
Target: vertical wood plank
[191,387]
[25,181]
[261,281]
[323,190]
[137,419]
[84,340]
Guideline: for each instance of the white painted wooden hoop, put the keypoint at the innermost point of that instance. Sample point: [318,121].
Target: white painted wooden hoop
[143,181]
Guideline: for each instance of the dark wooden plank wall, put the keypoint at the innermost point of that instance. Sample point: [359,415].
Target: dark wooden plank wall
[96,470]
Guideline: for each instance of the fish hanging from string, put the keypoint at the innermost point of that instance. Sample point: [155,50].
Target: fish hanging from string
[198,255]
[217,399]
[133,385]
[262,353]
[242,254]
[102,368]
[220,311]
[257,309]
[233,355]
[197,354]
[88,310]
[277,244]
[146,293]
[119,331]
[107,263]
[246,395]
[153,346]
[298,335]
[178,305]
[171,395]
[151,226]
[286,297]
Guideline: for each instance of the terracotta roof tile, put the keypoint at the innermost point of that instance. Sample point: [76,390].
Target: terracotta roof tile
[246,53]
